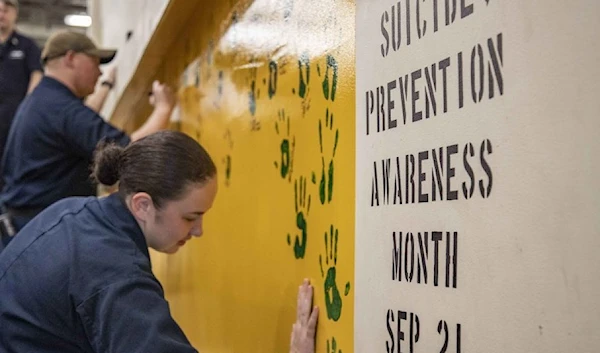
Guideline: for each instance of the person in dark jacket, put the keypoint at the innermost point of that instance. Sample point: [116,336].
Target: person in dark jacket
[20,67]
[78,277]
[52,138]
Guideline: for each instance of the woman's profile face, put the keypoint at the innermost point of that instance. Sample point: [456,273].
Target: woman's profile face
[179,220]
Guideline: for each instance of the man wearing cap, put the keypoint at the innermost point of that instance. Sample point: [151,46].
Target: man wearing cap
[53,136]
[20,67]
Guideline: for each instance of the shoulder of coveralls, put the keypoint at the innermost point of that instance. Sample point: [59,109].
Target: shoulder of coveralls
[81,121]
[50,93]
[99,254]
[44,222]
[51,101]
[54,100]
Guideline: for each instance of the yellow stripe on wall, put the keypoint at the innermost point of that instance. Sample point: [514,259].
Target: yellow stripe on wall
[268,88]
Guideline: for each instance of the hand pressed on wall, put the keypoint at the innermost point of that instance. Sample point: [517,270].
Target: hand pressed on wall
[305,327]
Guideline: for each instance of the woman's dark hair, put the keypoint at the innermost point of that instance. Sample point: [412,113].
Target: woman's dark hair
[161,164]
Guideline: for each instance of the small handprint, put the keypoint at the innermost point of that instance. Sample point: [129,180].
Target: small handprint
[272,78]
[303,82]
[282,127]
[253,94]
[332,346]
[302,207]
[329,86]
[227,159]
[333,299]
[326,183]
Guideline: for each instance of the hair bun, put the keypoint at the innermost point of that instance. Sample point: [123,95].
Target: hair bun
[107,163]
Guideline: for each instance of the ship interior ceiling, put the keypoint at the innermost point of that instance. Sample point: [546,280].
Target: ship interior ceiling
[39,18]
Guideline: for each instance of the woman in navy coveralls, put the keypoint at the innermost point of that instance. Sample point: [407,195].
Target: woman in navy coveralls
[78,277]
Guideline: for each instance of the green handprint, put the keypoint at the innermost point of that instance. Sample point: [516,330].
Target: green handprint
[272,78]
[326,183]
[302,204]
[287,152]
[333,299]
[253,95]
[303,75]
[332,347]
[303,82]
[329,90]
[227,158]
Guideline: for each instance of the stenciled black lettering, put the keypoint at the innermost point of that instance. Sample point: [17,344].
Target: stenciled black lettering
[380,109]
[486,148]
[461,101]
[455,260]
[396,32]
[399,333]
[397,257]
[435,15]
[416,114]
[389,345]
[468,193]
[407,22]
[409,258]
[423,239]
[431,87]
[392,123]
[420,31]
[443,65]
[495,66]
[422,176]
[442,325]
[370,105]
[374,187]
[450,16]
[475,92]
[403,95]
[385,46]
[415,328]
[450,194]
[437,173]
[398,184]
[465,10]
[385,171]
[410,178]
[436,237]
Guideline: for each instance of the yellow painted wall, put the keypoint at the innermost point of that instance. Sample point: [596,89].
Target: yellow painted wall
[268,88]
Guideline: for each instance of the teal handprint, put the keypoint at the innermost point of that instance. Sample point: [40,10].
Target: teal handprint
[326,183]
[333,299]
[302,205]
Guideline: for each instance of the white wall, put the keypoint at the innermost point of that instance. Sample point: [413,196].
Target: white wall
[522,257]
[112,20]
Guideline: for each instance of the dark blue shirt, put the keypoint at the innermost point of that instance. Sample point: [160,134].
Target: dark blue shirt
[50,147]
[19,58]
[78,278]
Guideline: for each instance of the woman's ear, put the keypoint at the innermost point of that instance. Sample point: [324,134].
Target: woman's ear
[142,207]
